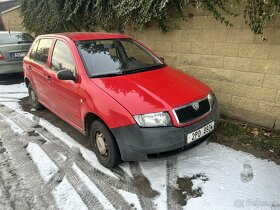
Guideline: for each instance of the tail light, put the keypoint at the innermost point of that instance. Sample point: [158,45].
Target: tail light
[1,56]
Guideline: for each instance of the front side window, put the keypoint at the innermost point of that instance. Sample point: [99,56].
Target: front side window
[15,38]
[116,56]
[62,58]
[43,51]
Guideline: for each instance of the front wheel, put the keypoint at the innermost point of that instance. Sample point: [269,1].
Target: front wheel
[33,98]
[104,144]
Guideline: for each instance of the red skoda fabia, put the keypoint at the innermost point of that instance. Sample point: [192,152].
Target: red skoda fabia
[128,100]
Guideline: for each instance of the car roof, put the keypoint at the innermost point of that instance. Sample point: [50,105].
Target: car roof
[77,36]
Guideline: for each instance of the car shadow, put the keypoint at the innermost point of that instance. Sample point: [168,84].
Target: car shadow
[10,79]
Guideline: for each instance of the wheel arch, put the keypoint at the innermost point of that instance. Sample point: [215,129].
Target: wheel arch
[89,119]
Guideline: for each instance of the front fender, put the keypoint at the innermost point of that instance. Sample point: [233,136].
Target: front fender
[98,102]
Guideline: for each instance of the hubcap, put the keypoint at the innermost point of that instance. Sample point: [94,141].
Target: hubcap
[101,144]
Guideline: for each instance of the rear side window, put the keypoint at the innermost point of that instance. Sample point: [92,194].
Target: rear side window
[42,51]
[62,58]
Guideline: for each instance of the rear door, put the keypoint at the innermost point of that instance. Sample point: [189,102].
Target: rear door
[64,94]
[37,65]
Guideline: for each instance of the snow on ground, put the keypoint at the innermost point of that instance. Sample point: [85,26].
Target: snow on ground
[45,165]
[155,171]
[13,125]
[131,198]
[229,179]
[11,93]
[224,168]
[67,198]
[87,154]
[103,200]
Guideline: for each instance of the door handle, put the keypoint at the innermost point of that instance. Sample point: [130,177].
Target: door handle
[48,78]
[29,68]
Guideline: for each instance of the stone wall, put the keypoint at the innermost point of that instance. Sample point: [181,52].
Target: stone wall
[12,20]
[241,68]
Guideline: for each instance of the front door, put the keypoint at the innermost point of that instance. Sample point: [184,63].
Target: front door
[64,93]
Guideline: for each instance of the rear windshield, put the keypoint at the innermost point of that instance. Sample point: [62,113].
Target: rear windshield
[15,38]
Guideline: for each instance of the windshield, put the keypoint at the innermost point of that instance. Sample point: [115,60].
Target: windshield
[15,38]
[116,56]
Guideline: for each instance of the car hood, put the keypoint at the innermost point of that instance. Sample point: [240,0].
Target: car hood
[153,91]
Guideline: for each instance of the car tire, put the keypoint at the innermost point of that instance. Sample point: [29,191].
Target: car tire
[104,144]
[33,98]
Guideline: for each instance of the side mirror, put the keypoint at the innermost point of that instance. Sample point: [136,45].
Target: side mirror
[65,75]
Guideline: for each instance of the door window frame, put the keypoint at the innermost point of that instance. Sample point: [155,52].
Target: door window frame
[51,55]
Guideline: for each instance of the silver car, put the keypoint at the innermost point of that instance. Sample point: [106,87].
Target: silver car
[13,47]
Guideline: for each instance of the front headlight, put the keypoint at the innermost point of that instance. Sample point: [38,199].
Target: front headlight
[153,120]
[211,98]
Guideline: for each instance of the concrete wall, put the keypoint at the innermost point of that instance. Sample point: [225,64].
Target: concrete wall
[243,70]
[12,20]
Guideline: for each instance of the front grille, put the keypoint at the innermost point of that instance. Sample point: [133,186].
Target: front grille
[188,113]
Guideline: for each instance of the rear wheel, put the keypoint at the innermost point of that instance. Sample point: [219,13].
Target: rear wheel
[33,98]
[104,144]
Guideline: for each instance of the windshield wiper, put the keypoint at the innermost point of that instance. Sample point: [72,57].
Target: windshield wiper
[147,68]
[107,75]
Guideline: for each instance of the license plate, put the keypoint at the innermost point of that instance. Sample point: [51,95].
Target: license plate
[18,54]
[200,132]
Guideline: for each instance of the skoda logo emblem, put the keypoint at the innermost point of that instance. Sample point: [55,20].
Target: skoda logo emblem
[195,105]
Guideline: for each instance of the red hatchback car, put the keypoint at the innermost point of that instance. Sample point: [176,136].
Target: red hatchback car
[128,100]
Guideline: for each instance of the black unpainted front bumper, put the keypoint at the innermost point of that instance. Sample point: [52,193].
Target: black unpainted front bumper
[136,143]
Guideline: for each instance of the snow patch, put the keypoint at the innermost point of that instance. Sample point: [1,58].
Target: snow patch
[67,198]
[155,171]
[131,198]
[45,165]
[13,126]
[222,166]
[62,157]
[125,167]
[10,93]
[15,88]
[92,187]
